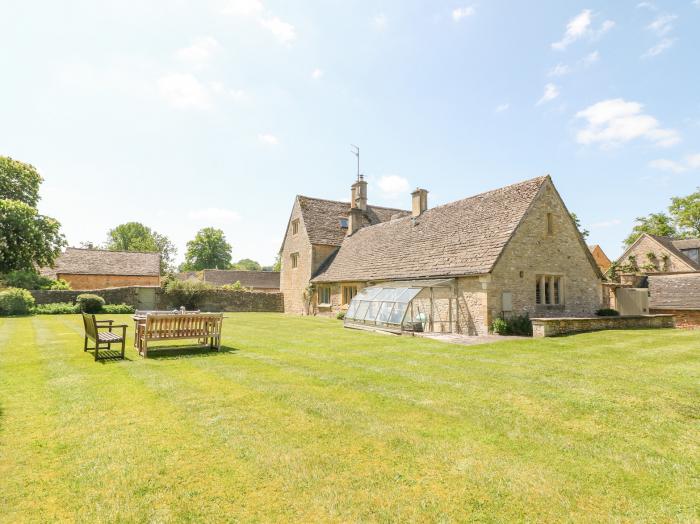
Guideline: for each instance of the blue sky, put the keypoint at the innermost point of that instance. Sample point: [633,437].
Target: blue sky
[184,114]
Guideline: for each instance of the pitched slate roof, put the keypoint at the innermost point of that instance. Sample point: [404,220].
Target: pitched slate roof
[687,243]
[75,261]
[464,237]
[674,291]
[254,279]
[671,245]
[322,218]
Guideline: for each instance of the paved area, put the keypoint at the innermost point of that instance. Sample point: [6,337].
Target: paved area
[466,340]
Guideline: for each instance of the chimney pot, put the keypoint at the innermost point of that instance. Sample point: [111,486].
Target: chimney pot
[419,202]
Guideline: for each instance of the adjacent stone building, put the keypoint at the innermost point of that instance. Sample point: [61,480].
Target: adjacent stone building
[600,257]
[657,254]
[86,269]
[510,251]
[262,281]
[677,294]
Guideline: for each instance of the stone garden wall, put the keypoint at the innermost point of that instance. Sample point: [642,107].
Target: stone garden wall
[551,327]
[213,300]
[685,318]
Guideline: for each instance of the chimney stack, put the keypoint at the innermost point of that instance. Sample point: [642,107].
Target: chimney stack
[359,194]
[354,220]
[419,202]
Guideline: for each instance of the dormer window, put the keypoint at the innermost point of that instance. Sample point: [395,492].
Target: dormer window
[693,254]
[344,223]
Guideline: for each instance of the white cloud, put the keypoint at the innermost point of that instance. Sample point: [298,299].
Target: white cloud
[184,91]
[696,3]
[614,122]
[214,215]
[581,26]
[200,53]
[591,58]
[662,25]
[575,29]
[690,162]
[463,12]
[605,224]
[647,5]
[393,185]
[551,91]
[269,139]
[659,48]
[559,70]
[242,7]
[283,31]
[379,21]
[239,95]
[502,107]
[316,74]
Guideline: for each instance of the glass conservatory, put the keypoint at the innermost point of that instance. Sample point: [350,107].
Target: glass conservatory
[410,306]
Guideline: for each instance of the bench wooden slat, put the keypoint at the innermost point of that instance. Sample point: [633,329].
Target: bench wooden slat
[200,326]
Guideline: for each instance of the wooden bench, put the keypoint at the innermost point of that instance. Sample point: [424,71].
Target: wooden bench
[204,327]
[95,331]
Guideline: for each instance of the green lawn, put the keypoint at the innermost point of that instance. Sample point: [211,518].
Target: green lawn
[298,419]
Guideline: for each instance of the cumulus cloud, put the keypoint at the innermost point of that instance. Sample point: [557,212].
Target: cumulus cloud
[214,215]
[559,70]
[185,91]
[460,13]
[502,107]
[615,122]
[393,186]
[581,26]
[379,21]
[659,48]
[283,31]
[242,7]
[551,91]
[316,74]
[662,25]
[200,53]
[591,58]
[268,139]
[664,164]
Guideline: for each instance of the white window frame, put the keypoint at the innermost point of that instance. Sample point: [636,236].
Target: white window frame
[324,289]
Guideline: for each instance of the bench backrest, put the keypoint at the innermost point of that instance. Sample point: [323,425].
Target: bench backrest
[144,312]
[186,325]
[90,326]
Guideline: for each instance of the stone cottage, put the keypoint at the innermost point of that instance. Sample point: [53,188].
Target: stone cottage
[87,269]
[513,250]
[654,254]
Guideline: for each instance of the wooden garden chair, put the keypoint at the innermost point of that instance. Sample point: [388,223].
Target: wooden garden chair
[95,331]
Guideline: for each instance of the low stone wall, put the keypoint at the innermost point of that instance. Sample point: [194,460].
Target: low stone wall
[213,300]
[114,295]
[551,327]
[685,318]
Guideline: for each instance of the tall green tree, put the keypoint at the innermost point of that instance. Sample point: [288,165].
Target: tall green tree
[208,250]
[277,266]
[134,236]
[686,213]
[27,239]
[659,224]
[246,264]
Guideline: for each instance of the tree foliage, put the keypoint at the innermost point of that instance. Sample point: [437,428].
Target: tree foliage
[277,266]
[246,264]
[659,224]
[686,213]
[134,236]
[208,250]
[577,221]
[27,239]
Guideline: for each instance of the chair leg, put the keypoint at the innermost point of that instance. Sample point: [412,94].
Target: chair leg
[123,344]
[97,350]
[85,348]
[144,349]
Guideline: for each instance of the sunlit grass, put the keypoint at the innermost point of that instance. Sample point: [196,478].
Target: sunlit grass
[298,419]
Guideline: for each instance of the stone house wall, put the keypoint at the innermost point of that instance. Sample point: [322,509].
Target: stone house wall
[533,251]
[648,245]
[293,281]
[88,282]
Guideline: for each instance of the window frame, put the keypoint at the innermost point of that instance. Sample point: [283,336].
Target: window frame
[545,295]
[324,289]
[344,293]
[295,260]
[295,226]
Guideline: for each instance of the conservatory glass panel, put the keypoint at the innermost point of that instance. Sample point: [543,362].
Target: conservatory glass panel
[384,312]
[389,294]
[361,310]
[370,293]
[372,311]
[407,294]
[351,310]
[397,314]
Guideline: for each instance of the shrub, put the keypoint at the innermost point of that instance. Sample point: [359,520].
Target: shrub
[15,301]
[90,303]
[117,309]
[340,315]
[32,280]
[607,312]
[188,293]
[236,286]
[520,325]
[59,308]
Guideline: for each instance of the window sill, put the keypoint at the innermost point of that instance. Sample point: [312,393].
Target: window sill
[324,306]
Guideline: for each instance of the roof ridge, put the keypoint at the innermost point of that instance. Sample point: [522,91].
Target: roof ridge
[348,203]
[112,250]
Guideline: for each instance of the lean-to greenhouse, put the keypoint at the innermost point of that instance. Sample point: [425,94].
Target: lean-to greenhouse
[409,306]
